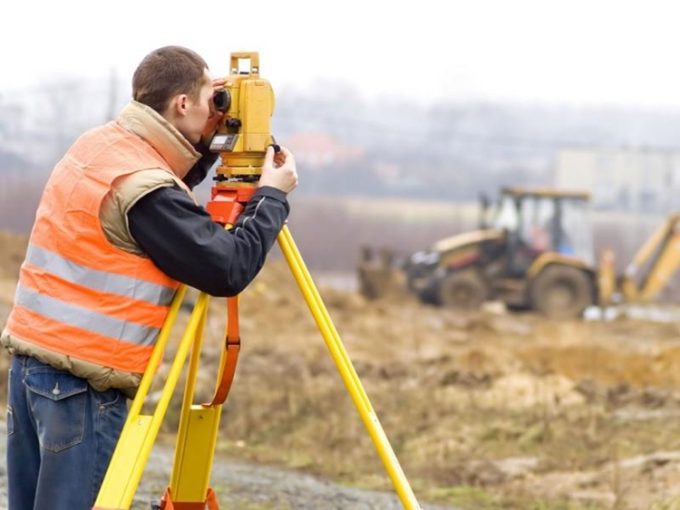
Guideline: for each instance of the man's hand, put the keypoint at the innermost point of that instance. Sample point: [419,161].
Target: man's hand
[215,116]
[278,170]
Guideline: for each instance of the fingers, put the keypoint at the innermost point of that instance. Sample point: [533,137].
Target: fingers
[214,117]
[278,170]
[219,83]
[276,159]
[284,153]
[211,125]
[269,156]
[283,156]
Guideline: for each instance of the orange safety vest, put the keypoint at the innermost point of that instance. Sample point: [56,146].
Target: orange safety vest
[78,294]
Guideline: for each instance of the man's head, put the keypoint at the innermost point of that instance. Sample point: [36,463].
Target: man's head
[175,82]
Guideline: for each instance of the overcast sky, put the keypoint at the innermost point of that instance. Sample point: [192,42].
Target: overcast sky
[575,52]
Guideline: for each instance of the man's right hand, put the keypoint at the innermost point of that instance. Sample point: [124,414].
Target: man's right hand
[278,170]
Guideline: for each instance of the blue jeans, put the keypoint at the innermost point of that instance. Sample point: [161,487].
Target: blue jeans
[61,434]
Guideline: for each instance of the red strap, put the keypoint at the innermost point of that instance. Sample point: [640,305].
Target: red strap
[232,346]
[226,206]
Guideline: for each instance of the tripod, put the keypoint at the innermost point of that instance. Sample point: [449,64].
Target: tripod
[189,487]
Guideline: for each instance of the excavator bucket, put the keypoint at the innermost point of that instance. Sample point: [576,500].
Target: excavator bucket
[377,274]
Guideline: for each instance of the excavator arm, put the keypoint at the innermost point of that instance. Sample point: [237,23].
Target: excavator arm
[654,264]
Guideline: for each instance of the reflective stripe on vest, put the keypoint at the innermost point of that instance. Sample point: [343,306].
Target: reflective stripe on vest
[83,318]
[99,280]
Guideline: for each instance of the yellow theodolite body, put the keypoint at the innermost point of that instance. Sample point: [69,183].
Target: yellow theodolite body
[245,132]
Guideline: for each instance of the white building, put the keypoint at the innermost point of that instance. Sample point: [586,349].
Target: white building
[622,178]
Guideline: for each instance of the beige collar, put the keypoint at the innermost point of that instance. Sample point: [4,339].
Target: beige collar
[145,122]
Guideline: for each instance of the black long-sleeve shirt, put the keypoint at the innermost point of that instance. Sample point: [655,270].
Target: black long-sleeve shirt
[187,245]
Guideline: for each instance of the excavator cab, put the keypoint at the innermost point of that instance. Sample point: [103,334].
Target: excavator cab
[544,221]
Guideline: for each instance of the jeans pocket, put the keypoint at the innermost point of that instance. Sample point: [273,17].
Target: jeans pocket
[58,402]
[107,398]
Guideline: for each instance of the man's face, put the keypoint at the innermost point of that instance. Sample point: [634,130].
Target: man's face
[197,112]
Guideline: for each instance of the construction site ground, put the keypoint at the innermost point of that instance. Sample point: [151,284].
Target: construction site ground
[485,410]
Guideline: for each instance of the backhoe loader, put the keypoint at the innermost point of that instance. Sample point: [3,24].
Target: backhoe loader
[536,252]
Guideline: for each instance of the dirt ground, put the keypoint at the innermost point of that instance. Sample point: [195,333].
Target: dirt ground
[485,410]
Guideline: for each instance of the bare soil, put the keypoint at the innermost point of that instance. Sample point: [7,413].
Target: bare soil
[485,410]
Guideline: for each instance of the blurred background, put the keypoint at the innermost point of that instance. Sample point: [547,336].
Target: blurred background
[399,114]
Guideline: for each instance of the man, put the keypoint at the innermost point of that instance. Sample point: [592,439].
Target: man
[116,231]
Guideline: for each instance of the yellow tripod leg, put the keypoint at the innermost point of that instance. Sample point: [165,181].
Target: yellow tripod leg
[140,431]
[196,440]
[199,425]
[346,369]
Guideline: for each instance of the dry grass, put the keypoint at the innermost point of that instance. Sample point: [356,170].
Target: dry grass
[484,411]
[12,251]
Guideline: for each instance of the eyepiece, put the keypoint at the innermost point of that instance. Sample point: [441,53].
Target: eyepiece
[222,100]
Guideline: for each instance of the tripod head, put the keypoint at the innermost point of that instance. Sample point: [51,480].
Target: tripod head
[244,133]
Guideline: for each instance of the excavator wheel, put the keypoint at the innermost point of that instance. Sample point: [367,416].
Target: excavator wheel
[561,292]
[463,289]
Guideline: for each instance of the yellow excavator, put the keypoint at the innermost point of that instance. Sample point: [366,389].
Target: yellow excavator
[535,251]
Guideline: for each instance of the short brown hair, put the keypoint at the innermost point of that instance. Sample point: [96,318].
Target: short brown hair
[166,72]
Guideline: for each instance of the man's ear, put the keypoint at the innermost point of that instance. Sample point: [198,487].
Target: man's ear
[179,103]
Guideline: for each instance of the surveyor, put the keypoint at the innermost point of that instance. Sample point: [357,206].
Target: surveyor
[116,231]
